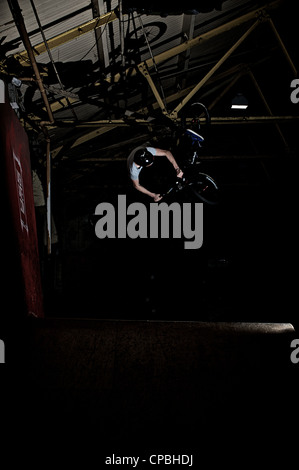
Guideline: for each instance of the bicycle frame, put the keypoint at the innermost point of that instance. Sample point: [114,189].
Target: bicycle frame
[202,185]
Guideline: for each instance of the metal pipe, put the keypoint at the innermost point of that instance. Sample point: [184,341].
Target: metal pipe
[143,69]
[18,17]
[122,35]
[214,120]
[50,56]
[262,96]
[176,50]
[284,49]
[48,192]
[213,70]
[68,35]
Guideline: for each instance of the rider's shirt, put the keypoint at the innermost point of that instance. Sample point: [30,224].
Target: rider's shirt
[132,168]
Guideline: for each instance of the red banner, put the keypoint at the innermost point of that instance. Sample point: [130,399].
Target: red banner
[22,244]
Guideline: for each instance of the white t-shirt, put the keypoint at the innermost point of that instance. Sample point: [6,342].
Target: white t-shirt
[132,168]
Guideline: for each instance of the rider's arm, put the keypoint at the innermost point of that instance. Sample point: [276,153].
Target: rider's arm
[143,190]
[170,157]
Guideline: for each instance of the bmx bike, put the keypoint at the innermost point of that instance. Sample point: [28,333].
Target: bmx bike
[203,186]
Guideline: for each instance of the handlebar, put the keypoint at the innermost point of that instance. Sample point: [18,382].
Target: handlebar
[177,186]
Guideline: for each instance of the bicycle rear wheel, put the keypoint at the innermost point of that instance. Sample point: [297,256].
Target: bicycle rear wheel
[196,117]
[198,111]
[205,188]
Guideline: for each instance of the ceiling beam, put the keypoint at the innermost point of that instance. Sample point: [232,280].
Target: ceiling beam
[284,49]
[214,120]
[184,58]
[259,16]
[103,160]
[190,95]
[174,114]
[98,35]
[104,126]
[83,139]
[67,36]
[262,96]
[253,119]
[176,50]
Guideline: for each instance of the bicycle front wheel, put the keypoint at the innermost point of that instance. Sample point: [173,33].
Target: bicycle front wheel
[205,188]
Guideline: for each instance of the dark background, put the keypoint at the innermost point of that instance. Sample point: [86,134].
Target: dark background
[146,347]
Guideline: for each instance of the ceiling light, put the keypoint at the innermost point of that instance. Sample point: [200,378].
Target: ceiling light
[239,102]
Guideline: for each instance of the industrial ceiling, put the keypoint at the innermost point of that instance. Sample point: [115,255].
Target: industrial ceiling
[99,76]
[91,79]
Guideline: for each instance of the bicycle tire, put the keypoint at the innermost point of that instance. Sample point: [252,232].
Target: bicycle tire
[197,110]
[205,188]
[192,117]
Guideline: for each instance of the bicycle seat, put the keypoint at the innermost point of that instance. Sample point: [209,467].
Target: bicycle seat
[194,136]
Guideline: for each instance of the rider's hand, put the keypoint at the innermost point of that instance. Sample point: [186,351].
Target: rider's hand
[179,172]
[157,197]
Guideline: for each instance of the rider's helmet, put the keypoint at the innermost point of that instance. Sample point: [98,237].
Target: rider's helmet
[143,157]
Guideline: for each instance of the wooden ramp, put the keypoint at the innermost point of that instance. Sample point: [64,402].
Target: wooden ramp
[134,386]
